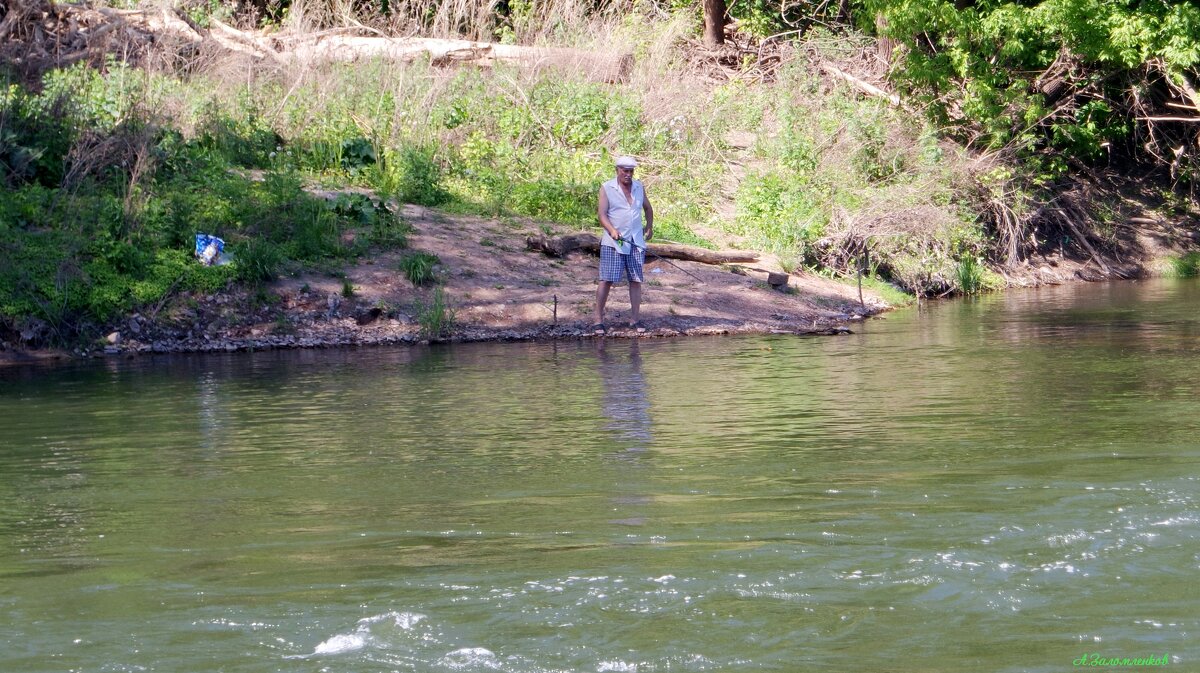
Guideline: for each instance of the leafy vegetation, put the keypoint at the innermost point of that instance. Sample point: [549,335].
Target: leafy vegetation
[103,199]
[1054,80]
[1183,266]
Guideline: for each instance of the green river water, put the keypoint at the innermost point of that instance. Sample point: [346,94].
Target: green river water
[1004,484]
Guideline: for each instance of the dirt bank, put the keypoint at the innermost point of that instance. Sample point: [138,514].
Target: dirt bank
[496,290]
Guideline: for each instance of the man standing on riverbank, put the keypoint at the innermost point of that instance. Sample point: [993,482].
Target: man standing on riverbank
[621,204]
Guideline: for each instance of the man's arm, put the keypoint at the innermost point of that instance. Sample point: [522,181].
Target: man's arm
[602,213]
[649,210]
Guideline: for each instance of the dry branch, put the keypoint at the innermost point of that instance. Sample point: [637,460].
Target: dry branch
[861,85]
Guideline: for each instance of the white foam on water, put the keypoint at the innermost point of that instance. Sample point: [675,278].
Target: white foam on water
[616,667]
[349,642]
[340,644]
[470,658]
[405,620]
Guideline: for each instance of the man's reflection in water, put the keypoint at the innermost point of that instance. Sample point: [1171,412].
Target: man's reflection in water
[626,408]
[626,402]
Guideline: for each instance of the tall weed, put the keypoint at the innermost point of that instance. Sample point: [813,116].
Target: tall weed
[969,275]
[436,317]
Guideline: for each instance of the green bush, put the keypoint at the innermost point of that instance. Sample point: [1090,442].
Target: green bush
[247,142]
[257,260]
[1043,74]
[413,175]
[1184,266]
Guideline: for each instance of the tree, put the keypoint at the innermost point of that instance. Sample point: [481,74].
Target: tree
[714,22]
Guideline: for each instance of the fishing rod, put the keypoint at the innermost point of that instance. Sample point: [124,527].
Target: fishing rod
[622,241]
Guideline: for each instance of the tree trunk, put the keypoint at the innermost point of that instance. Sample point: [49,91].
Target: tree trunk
[884,45]
[714,22]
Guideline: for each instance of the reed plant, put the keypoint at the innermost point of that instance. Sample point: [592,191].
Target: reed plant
[435,318]
[969,275]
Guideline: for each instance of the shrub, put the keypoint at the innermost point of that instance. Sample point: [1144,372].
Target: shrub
[1185,266]
[257,260]
[420,177]
[779,211]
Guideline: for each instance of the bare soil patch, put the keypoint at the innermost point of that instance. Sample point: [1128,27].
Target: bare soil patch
[500,290]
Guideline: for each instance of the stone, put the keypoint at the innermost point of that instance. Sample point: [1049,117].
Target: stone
[370,316]
[777,280]
[113,338]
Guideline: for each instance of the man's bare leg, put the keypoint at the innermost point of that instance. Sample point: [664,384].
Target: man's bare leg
[635,301]
[601,300]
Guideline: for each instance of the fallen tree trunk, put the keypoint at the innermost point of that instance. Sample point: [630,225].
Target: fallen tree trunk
[348,48]
[559,246]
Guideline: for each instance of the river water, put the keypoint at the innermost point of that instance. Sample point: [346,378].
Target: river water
[1003,484]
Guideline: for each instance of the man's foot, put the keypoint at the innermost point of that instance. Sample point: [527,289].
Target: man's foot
[599,329]
[638,327]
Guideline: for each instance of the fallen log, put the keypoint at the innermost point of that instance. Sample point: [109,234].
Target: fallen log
[559,246]
[348,48]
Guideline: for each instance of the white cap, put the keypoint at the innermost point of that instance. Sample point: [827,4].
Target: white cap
[626,162]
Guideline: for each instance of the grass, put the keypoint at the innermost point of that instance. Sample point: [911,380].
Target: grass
[1183,266]
[969,275]
[887,291]
[417,267]
[436,318]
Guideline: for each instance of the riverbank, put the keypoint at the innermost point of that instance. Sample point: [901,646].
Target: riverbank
[493,289]
[487,285]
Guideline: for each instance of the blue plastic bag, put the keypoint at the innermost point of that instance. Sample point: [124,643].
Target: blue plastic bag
[209,249]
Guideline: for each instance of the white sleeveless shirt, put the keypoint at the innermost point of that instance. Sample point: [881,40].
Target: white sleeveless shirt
[626,217]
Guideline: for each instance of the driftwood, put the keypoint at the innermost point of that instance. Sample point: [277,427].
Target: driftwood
[559,246]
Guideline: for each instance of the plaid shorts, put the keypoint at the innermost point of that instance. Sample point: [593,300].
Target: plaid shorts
[615,267]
